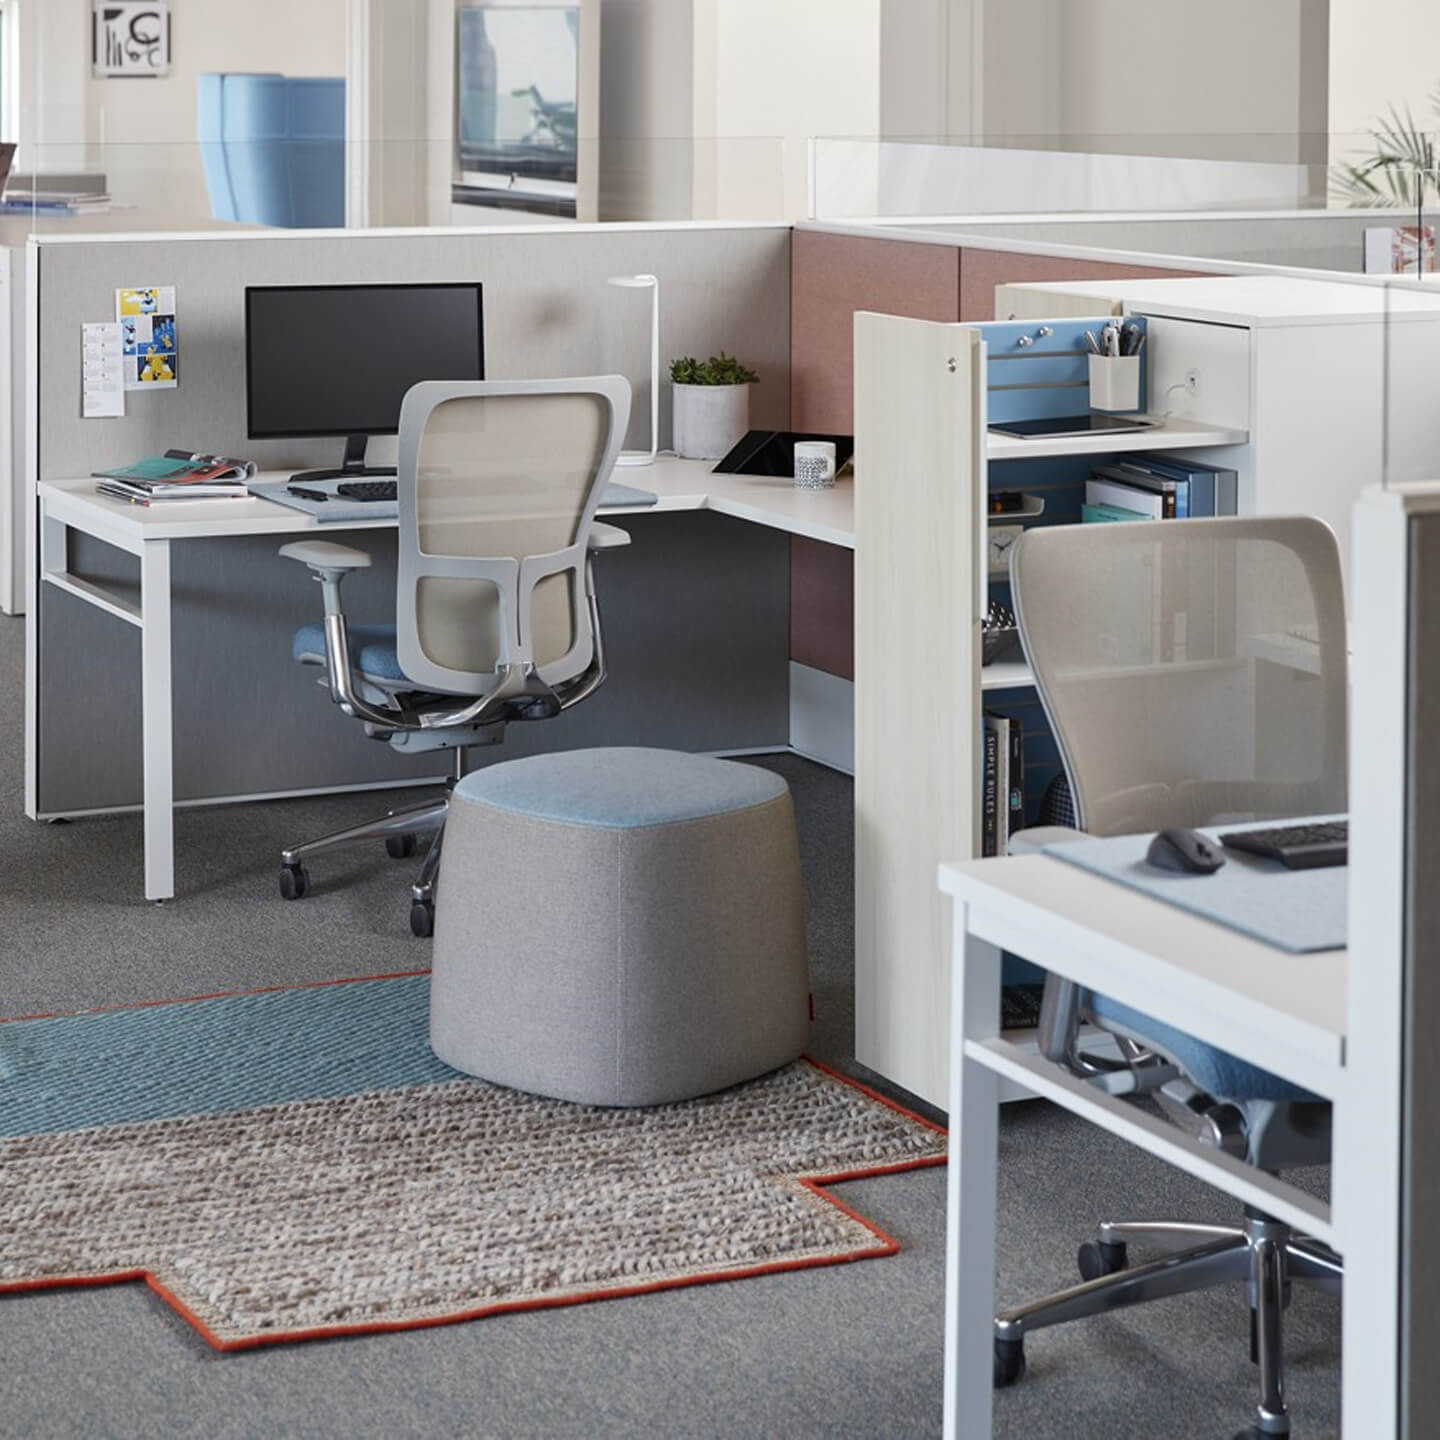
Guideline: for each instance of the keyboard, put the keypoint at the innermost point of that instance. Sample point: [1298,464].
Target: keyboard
[367,489]
[1298,847]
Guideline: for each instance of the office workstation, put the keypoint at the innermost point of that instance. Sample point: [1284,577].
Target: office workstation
[732,586]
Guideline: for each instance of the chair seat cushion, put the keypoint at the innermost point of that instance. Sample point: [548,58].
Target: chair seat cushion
[1223,1075]
[621,788]
[372,649]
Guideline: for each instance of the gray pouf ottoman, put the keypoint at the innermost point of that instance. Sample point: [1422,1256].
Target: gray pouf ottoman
[619,926]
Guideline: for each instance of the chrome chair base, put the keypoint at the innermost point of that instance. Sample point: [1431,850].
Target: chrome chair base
[399,829]
[1263,1253]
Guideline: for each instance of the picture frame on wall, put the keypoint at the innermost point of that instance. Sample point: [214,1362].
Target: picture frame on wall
[130,38]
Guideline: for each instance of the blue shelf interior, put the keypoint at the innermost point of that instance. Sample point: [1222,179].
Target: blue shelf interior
[1046,376]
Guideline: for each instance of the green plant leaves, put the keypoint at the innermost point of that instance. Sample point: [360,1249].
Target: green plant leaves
[721,369]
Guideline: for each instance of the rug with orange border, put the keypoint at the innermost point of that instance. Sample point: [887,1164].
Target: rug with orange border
[295,1164]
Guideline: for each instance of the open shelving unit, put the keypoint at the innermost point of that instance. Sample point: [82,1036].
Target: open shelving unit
[924,392]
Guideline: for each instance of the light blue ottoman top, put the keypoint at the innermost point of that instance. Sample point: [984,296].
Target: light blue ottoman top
[621,788]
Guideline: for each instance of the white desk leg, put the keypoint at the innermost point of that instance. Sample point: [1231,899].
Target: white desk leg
[155,685]
[970,1208]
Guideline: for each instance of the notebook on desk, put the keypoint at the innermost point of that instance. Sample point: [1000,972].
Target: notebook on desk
[1296,910]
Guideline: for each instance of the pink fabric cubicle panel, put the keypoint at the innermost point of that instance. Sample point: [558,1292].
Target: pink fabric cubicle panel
[831,277]
[982,270]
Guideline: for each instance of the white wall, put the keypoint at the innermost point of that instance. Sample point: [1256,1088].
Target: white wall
[147,126]
[1229,79]
[1382,52]
[771,71]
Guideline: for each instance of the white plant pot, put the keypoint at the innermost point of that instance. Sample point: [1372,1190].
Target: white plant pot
[709,419]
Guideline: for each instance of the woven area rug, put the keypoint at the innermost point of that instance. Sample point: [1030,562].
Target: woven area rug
[293,1164]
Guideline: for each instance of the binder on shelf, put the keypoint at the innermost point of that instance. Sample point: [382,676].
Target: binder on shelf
[1212,489]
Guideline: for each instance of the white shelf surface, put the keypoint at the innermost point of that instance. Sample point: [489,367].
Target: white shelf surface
[1172,434]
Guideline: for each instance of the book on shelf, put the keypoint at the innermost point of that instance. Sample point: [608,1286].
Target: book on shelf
[1151,499]
[990,791]
[177,475]
[1003,782]
[1200,489]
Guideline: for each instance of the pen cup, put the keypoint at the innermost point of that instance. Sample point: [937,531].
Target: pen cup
[814,464]
[1114,382]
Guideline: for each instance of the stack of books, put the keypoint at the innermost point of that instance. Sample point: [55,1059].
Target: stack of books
[1002,787]
[1158,487]
[177,475]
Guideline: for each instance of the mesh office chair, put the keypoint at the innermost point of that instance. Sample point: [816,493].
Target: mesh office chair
[496,613]
[1193,674]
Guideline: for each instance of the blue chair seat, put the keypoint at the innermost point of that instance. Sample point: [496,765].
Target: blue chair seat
[1223,1075]
[372,649]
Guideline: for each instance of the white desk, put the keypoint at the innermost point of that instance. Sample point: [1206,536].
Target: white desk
[1281,1011]
[147,532]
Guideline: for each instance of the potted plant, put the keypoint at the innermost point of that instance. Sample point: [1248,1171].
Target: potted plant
[711,405]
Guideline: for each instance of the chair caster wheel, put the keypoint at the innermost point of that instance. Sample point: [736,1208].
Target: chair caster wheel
[1099,1257]
[1009,1361]
[422,919]
[399,847]
[294,882]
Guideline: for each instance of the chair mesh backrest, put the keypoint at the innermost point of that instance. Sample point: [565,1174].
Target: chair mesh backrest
[498,485]
[1193,671]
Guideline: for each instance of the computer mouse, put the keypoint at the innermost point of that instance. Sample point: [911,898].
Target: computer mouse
[1185,850]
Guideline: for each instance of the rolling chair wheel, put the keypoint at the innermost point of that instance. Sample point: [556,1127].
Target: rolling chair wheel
[1009,1361]
[422,919]
[294,882]
[399,847]
[1099,1257]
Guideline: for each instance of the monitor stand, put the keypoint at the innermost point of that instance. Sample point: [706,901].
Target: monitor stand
[352,467]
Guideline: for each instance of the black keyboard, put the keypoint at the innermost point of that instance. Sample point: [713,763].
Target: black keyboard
[366,489]
[1300,847]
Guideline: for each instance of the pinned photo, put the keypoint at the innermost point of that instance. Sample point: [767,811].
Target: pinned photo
[146,314]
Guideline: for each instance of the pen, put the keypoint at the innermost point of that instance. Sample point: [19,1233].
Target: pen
[305,494]
[1091,343]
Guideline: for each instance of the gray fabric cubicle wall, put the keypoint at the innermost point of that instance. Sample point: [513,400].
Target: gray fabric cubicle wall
[696,611]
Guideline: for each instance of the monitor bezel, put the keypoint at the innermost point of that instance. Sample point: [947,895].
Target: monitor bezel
[476,285]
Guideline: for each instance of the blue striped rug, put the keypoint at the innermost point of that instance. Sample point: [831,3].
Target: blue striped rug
[216,1054]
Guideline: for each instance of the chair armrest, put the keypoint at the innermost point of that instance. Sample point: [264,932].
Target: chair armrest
[326,555]
[607,537]
[1034,839]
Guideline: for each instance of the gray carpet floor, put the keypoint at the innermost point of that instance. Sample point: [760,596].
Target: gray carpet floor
[851,1350]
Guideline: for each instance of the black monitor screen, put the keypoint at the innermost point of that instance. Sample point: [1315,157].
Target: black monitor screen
[338,359]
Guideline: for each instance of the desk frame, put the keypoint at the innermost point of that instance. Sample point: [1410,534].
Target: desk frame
[67,506]
[1102,935]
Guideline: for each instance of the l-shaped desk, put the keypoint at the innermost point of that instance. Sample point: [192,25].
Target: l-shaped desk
[147,533]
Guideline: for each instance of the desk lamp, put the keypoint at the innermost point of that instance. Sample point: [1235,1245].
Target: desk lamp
[652,284]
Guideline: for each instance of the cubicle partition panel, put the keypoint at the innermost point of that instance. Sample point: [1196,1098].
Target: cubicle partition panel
[835,271]
[696,610]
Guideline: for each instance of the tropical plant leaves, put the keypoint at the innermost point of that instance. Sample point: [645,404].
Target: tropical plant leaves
[1401,171]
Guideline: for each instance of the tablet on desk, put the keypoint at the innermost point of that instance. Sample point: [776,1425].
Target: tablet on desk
[772,452]
[1056,425]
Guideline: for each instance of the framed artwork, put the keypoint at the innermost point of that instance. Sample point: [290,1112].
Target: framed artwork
[130,38]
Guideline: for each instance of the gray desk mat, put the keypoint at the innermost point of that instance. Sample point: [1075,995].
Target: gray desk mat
[1296,910]
[339,510]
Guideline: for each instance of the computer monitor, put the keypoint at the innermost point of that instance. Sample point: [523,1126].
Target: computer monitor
[338,359]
